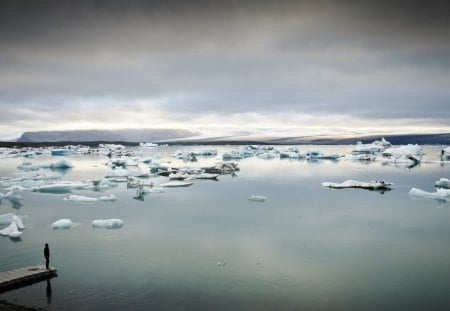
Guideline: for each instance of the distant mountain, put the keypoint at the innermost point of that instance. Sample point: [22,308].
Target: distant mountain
[127,135]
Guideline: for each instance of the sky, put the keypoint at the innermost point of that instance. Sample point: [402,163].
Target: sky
[320,67]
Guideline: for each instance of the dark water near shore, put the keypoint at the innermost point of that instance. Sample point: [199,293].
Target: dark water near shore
[305,248]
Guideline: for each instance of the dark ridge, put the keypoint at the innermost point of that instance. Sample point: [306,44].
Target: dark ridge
[18,144]
[130,135]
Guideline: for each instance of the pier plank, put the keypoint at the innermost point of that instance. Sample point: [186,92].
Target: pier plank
[24,276]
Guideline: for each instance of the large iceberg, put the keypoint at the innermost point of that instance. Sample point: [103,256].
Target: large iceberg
[440,194]
[107,223]
[374,147]
[372,185]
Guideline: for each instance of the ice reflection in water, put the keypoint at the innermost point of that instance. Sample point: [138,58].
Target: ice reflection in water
[305,247]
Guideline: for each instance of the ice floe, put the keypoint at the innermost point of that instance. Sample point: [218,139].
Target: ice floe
[107,223]
[443,183]
[62,224]
[440,194]
[372,185]
[177,184]
[86,199]
[14,224]
[257,198]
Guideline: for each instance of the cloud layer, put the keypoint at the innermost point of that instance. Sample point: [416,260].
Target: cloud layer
[102,64]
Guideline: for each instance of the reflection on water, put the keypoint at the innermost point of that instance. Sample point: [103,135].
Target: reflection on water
[209,247]
[48,292]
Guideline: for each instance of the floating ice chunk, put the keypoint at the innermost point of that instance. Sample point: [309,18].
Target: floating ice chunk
[372,185]
[59,152]
[178,176]
[443,183]
[440,194]
[404,150]
[206,176]
[136,183]
[257,198]
[63,163]
[120,172]
[13,195]
[14,224]
[11,231]
[177,184]
[62,224]
[108,198]
[80,198]
[9,218]
[28,166]
[107,223]
[62,187]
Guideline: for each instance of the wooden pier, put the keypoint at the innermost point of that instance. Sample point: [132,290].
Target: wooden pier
[24,276]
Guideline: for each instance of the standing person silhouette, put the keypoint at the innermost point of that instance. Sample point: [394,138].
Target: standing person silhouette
[46,255]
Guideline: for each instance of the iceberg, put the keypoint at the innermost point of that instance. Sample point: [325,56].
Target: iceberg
[61,164]
[257,198]
[372,185]
[62,224]
[404,150]
[136,183]
[63,187]
[107,223]
[374,147]
[14,223]
[120,172]
[443,183]
[206,176]
[177,184]
[80,198]
[440,194]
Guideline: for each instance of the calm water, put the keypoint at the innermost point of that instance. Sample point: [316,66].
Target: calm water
[305,248]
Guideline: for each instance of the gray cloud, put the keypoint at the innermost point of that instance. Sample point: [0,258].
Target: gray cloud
[366,59]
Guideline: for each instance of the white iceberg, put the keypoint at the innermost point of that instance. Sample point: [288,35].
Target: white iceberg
[206,176]
[443,183]
[14,223]
[63,187]
[62,224]
[404,150]
[374,147]
[440,194]
[372,185]
[257,198]
[107,223]
[177,184]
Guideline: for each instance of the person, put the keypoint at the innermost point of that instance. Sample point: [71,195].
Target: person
[47,255]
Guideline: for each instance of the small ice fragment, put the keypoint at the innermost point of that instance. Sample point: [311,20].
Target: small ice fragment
[80,198]
[62,224]
[107,198]
[107,223]
[443,183]
[440,194]
[257,198]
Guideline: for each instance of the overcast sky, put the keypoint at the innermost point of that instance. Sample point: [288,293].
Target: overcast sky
[318,66]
